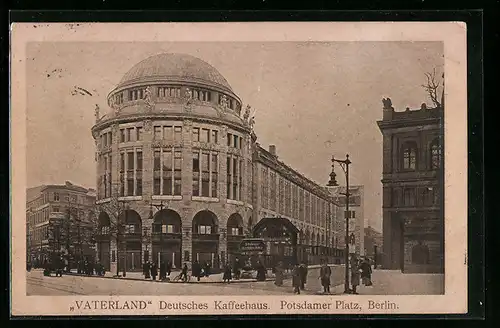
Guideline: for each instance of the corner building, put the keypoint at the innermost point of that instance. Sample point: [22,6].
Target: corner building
[175,153]
[174,164]
[413,183]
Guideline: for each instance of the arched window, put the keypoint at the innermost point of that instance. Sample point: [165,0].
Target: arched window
[435,150]
[409,156]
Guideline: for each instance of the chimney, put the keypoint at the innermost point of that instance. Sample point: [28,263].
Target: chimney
[272,149]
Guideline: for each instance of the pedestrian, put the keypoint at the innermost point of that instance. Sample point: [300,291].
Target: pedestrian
[184,272]
[163,271]
[278,274]
[237,269]
[154,271]
[354,274]
[168,268]
[325,274]
[146,270]
[196,270]
[207,269]
[261,271]
[227,273]
[303,275]
[296,279]
[366,272]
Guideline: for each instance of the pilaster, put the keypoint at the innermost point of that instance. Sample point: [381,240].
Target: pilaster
[147,160]
[223,251]
[187,162]
[223,165]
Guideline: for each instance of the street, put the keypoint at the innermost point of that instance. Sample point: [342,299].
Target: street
[385,283]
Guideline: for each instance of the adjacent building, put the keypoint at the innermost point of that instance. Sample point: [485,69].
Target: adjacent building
[413,220]
[180,176]
[281,191]
[59,219]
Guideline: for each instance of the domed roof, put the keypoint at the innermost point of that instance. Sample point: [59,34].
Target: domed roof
[172,65]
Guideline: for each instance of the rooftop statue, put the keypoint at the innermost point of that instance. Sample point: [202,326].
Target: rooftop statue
[96,112]
[387,103]
[148,97]
[252,122]
[246,115]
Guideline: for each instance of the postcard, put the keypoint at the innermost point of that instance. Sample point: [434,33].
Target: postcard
[238,168]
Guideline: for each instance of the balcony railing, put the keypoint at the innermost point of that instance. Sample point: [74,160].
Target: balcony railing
[206,237]
[159,237]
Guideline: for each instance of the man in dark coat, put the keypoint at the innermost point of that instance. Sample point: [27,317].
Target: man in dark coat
[227,273]
[168,268]
[163,271]
[146,270]
[303,275]
[296,281]
[261,271]
[196,270]
[237,269]
[154,270]
[325,273]
[184,272]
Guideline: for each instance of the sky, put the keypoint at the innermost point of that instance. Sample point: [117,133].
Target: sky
[311,99]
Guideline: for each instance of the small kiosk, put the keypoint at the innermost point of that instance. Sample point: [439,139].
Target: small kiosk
[280,238]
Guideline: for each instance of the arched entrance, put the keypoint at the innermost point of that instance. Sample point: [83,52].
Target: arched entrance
[130,241]
[103,239]
[281,237]
[166,238]
[234,236]
[205,239]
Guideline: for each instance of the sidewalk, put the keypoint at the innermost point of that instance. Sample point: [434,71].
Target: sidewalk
[212,279]
[394,282]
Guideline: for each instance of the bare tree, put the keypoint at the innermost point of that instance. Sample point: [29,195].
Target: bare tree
[433,87]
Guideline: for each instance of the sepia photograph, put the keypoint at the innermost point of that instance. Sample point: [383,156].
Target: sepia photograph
[236,170]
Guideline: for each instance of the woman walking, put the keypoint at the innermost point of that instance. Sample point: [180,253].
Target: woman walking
[278,280]
[366,272]
[354,274]
[227,273]
[296,279]
[325,274]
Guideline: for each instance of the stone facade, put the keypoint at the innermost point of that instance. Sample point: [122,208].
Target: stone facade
[67,204]
[181,160]
[413,218]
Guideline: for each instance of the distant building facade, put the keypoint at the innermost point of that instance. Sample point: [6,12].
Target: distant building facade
[59,220]
[355,215]
[373,244]
[281,191]
[413,218]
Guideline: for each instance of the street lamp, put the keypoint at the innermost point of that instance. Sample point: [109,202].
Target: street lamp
[344,164]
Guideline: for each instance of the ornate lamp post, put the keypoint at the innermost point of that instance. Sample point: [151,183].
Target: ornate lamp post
[344,164]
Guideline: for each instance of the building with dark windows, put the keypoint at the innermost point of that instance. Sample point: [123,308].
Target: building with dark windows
[413,227]
[282,192]
[60,221]
[176,165]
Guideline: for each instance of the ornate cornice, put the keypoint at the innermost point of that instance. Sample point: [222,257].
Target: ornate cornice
[166,116]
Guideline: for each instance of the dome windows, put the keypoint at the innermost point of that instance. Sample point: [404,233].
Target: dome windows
[168,92]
